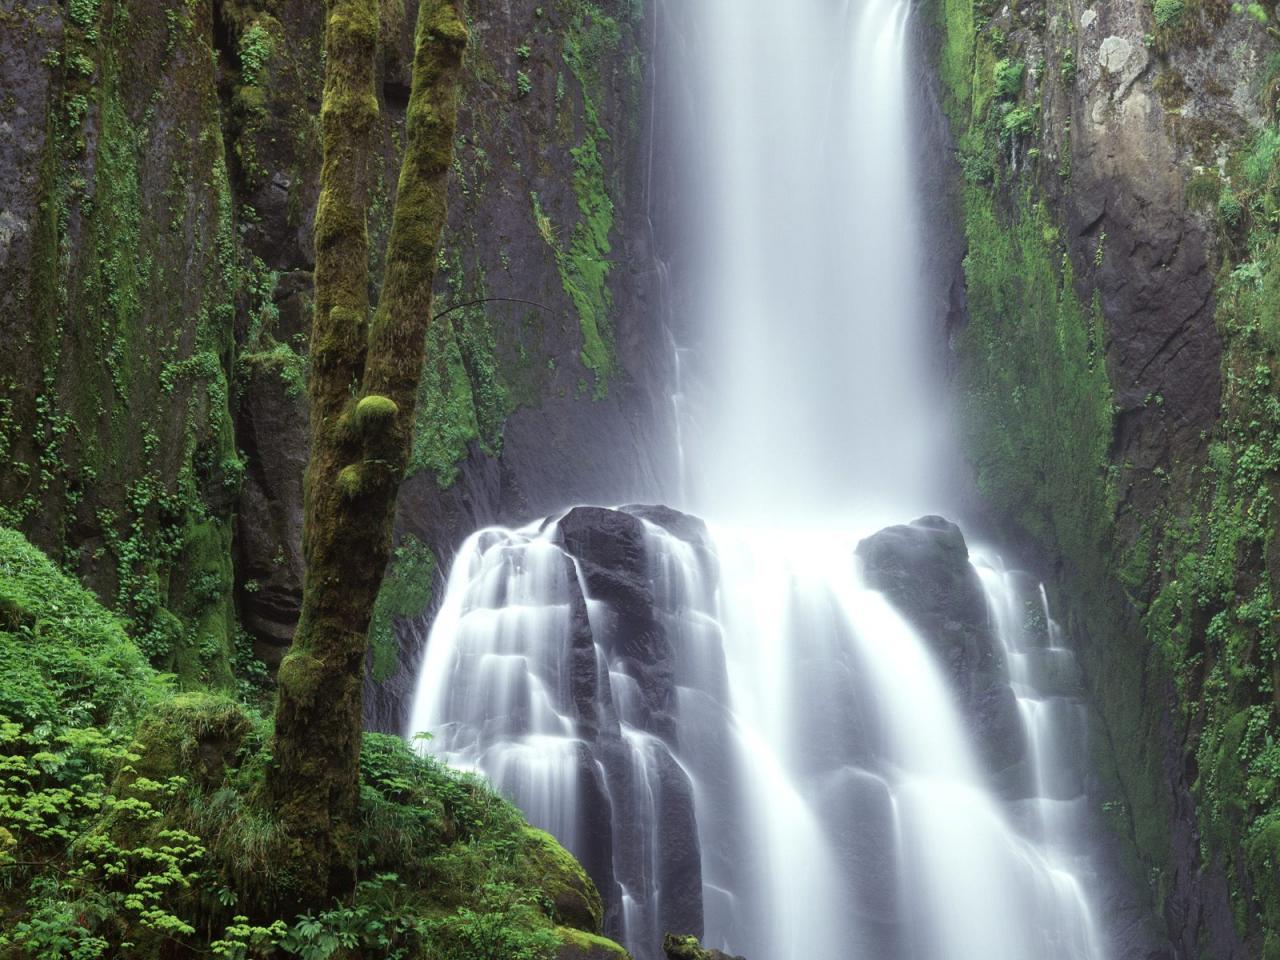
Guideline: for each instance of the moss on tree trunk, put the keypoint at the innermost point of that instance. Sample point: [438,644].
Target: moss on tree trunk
[363,384]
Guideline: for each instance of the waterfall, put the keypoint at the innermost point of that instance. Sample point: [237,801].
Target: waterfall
[740,735]
[808,280]
[790,732]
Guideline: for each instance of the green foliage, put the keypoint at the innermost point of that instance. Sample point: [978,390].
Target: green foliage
[132,820]
[405,593]
[506,927]
[1259,163]
[462,397]
[1068,68]
[1008,78]
[1168,13]
[255,49]
[64,660]
[1018,123]
[1229,208]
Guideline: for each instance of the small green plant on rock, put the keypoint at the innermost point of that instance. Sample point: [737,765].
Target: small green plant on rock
[1008,78]
[1169,13]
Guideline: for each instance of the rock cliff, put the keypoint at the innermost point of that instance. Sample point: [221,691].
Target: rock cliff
[1115,348]
[155,274]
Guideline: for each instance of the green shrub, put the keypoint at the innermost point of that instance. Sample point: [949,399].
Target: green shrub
[1018,123]
[1260,161]
[1008,78]
[1169,13]
[1229,208]
[1203,191]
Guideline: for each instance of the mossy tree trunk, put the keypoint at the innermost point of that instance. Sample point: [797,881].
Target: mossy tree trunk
[363,385]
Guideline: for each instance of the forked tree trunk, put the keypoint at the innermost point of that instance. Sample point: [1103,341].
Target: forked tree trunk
[362,388]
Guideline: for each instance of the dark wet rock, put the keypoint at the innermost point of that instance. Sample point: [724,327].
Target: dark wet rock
[923,569]
[858,809]
[630,785]
[273,433]
[610,548]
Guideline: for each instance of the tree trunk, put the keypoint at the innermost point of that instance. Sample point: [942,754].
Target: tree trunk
[363,384]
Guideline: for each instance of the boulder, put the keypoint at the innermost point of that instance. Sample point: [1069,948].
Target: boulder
[576,945]
[688,948]
[923,570]
[575,902]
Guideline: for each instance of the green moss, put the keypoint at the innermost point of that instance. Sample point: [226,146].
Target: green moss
[405,594]
[1198,565]
[1168,13]
[1032,361]
[463,397]
[121,445]
[374,409]
[64,659]
[578,945]
[350,482]
[282,361]
[584,262]
[575,902]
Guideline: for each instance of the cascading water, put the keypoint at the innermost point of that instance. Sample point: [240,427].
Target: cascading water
[800,742]
[752,689]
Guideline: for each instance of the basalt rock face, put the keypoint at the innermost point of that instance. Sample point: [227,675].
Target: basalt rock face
[610,548]
[1112,155]
[923,569]
[155,286]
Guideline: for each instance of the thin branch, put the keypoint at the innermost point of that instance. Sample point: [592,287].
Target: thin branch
[476,303]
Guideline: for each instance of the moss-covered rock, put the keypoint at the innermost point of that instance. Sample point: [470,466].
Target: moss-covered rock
[195,735]
[579,945]
[575,901]
[688,948]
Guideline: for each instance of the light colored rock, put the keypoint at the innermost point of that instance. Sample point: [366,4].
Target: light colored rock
[1114,54]
[10,227]
[1087,20]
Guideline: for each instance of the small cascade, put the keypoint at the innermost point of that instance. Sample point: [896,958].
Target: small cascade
[1046,680]
[794,745]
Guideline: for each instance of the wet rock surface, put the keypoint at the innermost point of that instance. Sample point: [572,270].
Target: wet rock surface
[923,569]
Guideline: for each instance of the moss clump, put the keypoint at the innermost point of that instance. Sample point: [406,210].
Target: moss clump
[350,482]
[194,733]
[1168,13]
[405,593]
[373,410]
[578,945]
[575,902]
[688,948]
